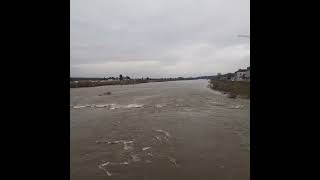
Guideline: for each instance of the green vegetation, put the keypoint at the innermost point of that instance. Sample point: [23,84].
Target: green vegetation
[238,88]
[89,83]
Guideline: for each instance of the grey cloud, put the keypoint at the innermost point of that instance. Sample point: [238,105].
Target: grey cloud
[162,37]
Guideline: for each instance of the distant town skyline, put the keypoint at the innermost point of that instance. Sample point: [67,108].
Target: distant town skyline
[160,38]
[138,77]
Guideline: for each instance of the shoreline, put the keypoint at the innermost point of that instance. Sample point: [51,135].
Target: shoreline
[91,83]
[232,89]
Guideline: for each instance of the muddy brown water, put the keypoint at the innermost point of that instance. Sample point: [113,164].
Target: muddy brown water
[178,130]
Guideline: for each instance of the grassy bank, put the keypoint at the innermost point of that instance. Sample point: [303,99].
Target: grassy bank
[238,88]
[90,83]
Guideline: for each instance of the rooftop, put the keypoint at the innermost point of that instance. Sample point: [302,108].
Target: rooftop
[243,70]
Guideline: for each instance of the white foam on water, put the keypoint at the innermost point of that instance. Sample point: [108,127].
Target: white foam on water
[108,173]
[135,158]
[78,107]
[173,161]
[105,164]
[102,166]
[145,148]
[126,146]
[113,142]
[101,105]
[165,132]
[134,106]
[159,105]
[114,106]
[159,139]
[237,107]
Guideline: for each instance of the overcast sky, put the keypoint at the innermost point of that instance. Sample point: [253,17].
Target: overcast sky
[158,38]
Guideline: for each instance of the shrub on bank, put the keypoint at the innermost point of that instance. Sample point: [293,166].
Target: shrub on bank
[88,83]
[233,88]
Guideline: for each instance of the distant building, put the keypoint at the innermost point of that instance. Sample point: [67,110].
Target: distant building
[242,75]
[225,77]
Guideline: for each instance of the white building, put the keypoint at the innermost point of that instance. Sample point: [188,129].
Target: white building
[242,75]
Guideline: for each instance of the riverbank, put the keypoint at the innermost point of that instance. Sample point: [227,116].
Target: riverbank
[233,88]
[92,83]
